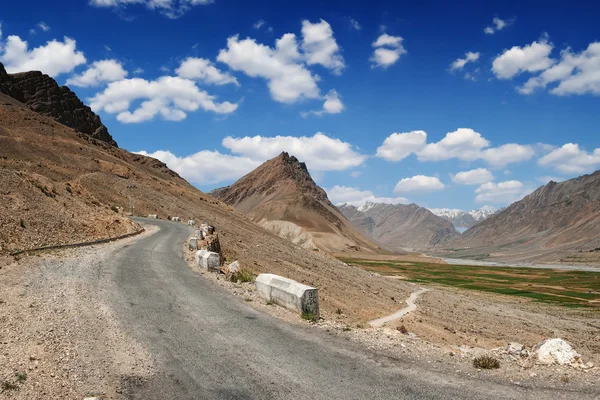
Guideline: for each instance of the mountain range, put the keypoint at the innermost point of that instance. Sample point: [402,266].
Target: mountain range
[463,220]
[400,227]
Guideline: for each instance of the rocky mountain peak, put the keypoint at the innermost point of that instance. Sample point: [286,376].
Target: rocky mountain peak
[42,94]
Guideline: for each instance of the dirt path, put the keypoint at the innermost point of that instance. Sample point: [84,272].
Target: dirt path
[411,306]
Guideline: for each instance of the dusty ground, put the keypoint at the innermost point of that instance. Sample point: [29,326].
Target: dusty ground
[57,335]
[452,326]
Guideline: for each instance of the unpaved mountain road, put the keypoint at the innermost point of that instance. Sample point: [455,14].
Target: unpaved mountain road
[410,306]
[207,344]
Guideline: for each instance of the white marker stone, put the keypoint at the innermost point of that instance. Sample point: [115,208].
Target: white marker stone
[288,293]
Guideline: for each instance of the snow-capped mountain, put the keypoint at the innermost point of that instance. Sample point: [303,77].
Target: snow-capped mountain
[462,219]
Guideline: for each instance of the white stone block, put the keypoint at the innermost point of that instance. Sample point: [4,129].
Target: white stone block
[199,234]
[193,243]
[154,216]
[199,255]
[288,293]
[191,222]
[211,261]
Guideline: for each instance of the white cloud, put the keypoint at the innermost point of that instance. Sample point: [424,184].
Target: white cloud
[202,69]
[169,97]
[138,71]
[320,152]
[206,167]
[497,25]
[333,105]
[576,73]
[530,58]
[501,193]
[507,154]
[99,72]
[259,24]
[320,47]
[388,50]
[460,63]
[464,144]
[398,146]
[354,24]
[357,197]
[170,8]
[419,183]
[288,79]
[54,58]
[473,177]
[43,26]
[570,159]
[467,145]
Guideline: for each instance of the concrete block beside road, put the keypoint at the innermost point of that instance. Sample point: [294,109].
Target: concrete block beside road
[209,260]
[288,293]
[193,243]
[199,255]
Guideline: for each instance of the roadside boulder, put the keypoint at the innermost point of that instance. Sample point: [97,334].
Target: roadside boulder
[517,350]
[231,269]
[555,351]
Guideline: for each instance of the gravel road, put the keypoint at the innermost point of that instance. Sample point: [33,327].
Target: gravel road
[207,344]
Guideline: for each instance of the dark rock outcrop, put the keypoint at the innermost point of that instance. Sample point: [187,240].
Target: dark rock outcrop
[42,94]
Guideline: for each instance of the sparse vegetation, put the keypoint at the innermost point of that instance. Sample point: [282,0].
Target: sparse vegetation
[486,362]
[339,311]
[7,385]
[402,329]
[242,276]
[312,317]
[346,329]
[21,376]
[115,209]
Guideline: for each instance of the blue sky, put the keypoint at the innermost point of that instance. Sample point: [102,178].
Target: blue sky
[446,104]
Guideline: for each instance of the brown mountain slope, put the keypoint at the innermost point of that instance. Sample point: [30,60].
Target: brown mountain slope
[62,186]
[43,95]
[281,196]
[400,227]
[556,219]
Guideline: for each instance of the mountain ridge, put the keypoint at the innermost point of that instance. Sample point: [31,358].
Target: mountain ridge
[281,196]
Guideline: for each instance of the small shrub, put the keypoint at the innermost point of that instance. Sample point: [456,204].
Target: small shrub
[402,329]
[115,209]
[242,276]
[347,329]
[247,299]
[339,311]
[310,316]
[6,386]
[486,362]
[21,377]
[22,223]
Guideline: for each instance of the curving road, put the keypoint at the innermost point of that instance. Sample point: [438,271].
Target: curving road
[208,344]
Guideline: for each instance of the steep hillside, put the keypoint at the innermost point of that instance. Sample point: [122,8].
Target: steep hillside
[400,226]
[555,219]
[463,219]
[43,95]
[281,196]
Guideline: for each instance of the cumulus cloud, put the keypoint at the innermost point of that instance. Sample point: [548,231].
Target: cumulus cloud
[99,72]
[288,78]
[464,144]
[356,197]
[43,26]
[501,193]
[170,97]
[530,58]
[203,70]
[497,25]
[570,159]
[575,73]
[320,152]
[388,50]
[419,183]
[54,58]
[333,105]
[206,167]
[398,146]
[460,63]
[320,47]
[170,8]
[473,177]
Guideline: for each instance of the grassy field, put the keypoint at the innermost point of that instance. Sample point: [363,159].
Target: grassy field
[567,288]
